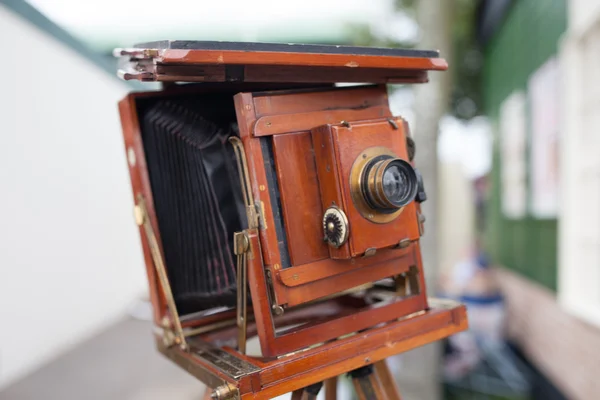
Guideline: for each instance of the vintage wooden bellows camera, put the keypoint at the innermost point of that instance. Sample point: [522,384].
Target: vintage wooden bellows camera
[252,168]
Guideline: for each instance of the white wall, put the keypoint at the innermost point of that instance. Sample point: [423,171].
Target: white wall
[456,216]
[70,259]
[579,228]
[582,14]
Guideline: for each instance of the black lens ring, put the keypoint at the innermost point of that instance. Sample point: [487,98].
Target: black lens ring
[412,182]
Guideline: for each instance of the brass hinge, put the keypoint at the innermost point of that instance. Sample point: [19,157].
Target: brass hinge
[173,333]
[254,210]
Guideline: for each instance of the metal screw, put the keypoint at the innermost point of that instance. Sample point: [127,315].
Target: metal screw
[131,157]
[277,310]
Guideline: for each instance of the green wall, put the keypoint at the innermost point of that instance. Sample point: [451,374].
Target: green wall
[527,38]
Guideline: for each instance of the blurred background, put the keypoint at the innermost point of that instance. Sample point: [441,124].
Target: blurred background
[507,142]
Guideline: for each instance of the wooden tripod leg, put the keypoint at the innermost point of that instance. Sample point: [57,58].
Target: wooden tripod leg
[387,380]
[366,385]
[307,393]
[331,388]
[297,394]
[374,382]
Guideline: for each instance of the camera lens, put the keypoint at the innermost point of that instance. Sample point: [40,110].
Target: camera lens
[389,183]
[395,184]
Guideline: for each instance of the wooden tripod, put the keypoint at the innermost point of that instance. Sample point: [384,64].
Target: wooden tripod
[371,382]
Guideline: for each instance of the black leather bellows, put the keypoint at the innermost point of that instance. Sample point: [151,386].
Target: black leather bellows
[196,192]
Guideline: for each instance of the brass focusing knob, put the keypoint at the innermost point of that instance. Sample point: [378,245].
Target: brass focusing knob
[335,226]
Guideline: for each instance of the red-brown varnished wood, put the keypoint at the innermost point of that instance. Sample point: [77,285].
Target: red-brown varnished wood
[387,380]
[256,165]
[421,277]
[331,388]
[259,292]
[273,344]
[301,369]
[330,183]
[374,390]
[345,144]
[256,73]
[305,368]
[249,108]
[140,184]
[320,331]
[304,60]
[312,277]
[276,74]
[373,342]
[319,100]
[303,274]
[274,124]
[309,292]
[300,197]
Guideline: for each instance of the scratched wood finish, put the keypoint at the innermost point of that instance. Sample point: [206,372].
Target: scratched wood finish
[303,60]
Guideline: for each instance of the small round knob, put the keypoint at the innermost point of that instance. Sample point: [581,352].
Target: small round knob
[335,226]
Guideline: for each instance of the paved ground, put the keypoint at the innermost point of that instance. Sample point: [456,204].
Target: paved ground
[121,364]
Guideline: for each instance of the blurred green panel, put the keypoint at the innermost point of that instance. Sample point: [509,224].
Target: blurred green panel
[528,36]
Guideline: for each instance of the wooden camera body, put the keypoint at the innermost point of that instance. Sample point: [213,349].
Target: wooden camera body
[309,186]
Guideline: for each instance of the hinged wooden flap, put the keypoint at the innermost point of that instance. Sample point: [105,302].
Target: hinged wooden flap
[201,61]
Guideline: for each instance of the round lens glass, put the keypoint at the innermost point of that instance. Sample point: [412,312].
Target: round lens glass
[396,184]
